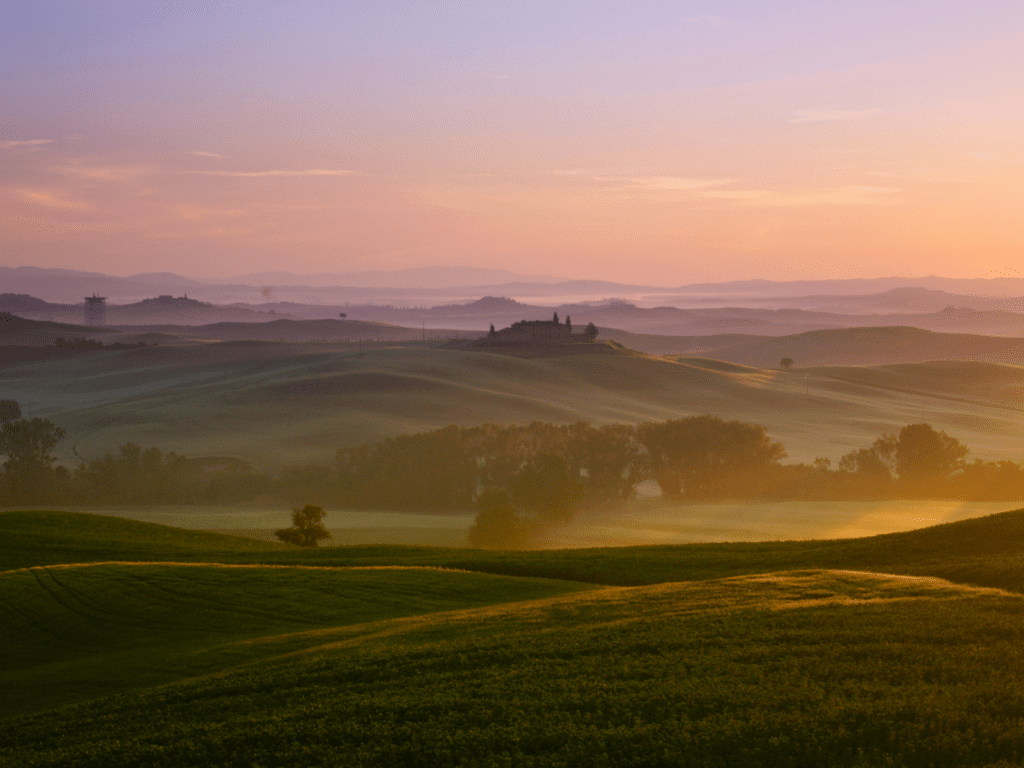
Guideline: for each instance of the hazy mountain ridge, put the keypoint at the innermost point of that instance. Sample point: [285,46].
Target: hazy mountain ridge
[418,277]
[763,310]
[447,284]
[159,309]
[981,286]
[908,299]
[675,321]
[479,315]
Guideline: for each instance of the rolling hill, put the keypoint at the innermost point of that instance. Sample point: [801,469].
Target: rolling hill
[850,652]
[883,345]
[16,330]
[274,403]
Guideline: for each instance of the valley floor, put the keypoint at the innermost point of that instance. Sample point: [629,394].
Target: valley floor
[644,521]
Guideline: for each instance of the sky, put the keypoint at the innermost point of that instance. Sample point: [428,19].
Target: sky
[638,141]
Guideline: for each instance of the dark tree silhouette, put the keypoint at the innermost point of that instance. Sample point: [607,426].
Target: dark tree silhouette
[925,457]
[591,331]
[708,457]
[497,524]
[28,471]
[307,527]
[9,411]
[870,469]
[548,487]
[612,459]
[27,444]
[786,363]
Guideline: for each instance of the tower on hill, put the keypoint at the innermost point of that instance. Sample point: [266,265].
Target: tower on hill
[95,310]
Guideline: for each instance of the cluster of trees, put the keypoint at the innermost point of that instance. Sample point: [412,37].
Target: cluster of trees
[132,475]
[547,470]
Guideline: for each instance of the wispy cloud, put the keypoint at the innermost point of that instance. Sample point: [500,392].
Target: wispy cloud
[849,195]
[712,189]
[735,194]
[48,200]
[125,173]
[678,183]
[25,143]
[201,153]
[732,192]
[117,173]
[266,174]
[832,115]
[200,213]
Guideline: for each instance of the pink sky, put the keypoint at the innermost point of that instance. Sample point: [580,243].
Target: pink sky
[650,142]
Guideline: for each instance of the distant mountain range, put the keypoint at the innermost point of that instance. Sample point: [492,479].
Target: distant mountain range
[675,321]
[995,286]
[160,309]
[419,277]
[479,315]
[908,299]
[430,286]
[759,307]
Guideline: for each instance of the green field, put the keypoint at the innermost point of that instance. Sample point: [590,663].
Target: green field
[287,403]
[180,648]
[73,632]
[641,521]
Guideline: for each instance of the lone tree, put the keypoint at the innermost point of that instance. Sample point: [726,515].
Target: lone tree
[307,527]
[590,331]
[786,363]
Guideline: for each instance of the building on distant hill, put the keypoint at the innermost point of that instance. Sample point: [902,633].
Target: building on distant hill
[168,302]
[95,310]
[536,332]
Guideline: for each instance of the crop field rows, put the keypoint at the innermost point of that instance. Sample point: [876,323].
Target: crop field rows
[226,652]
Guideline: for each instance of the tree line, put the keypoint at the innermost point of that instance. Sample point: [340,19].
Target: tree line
[547,470]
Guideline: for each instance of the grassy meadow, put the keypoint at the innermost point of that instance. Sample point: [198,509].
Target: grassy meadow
[70,633]
[128,643]
[276,403]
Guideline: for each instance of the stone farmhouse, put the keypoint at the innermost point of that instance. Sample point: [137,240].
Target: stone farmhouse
[537,332]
